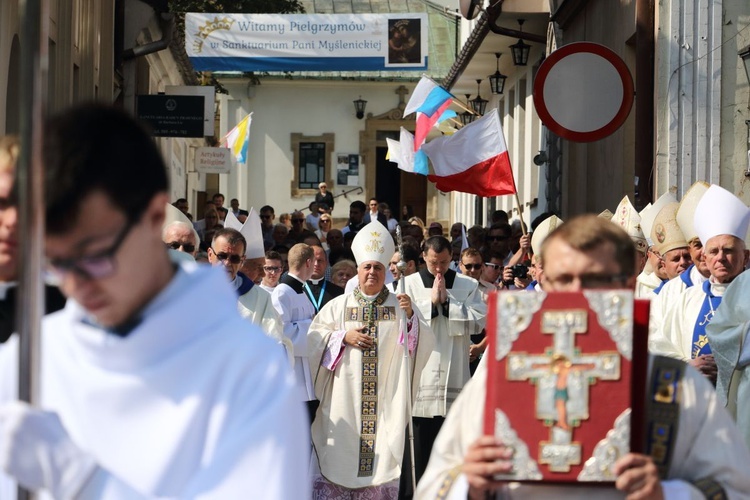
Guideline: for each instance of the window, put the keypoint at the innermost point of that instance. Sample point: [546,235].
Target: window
[312,162]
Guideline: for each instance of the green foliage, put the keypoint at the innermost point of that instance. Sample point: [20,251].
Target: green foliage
[238,6]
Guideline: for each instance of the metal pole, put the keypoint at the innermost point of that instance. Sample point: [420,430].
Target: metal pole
[34,22]
[407,360]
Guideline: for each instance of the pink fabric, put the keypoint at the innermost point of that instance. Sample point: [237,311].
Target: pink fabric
[334,350]
[412,327]
[325,490]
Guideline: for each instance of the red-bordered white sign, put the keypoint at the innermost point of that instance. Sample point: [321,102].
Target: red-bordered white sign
[583,92]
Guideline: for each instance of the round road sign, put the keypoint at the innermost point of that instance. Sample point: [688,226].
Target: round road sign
[583,92]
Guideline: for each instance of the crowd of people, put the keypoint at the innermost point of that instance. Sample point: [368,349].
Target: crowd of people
[235,356]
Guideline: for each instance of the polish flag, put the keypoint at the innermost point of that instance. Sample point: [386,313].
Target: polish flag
[474,160]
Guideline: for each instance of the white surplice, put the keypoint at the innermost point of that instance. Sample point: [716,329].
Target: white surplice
[193,403]
[447,370]
[337,424]
[708,445]
[675,337]
[661,304]
[645,284]
[297,312]
[257,307]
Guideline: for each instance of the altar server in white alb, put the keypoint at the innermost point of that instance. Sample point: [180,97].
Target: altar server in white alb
[703,456]
[356,345]
[296,310]
[151,384]
[724,249]
[453,305]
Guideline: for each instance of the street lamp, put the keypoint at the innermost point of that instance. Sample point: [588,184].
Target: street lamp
[359,105]
[497,81]
[466,117]
[478,104]
[520,50]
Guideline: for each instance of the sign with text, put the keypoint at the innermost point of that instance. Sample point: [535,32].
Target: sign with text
[172,115]
[306,42]
[213,160]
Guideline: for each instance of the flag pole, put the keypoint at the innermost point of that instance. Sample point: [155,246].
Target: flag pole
[407,360]
[520,211]
[463,106]
[34,22]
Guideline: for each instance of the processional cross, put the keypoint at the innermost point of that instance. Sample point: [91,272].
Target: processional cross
[562,376]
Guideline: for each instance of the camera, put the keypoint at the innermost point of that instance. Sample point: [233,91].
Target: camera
[519,271]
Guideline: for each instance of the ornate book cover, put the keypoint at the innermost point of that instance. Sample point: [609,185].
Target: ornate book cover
[566,375]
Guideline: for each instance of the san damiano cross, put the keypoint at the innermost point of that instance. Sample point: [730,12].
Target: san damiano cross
[562,375]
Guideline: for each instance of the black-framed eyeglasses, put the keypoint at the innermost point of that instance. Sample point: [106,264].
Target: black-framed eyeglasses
[472,267]
[232,258]
[298,220]
[272,269]
[186,247]
[497,238]
[98,266]
[265,216]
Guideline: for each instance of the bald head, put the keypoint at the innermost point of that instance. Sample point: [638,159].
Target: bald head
[181,236]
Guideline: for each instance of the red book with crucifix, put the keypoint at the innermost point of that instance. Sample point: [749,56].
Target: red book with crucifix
[565,382]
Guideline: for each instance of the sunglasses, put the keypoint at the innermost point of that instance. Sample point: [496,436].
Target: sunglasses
[472,267]
[222,256]
[492,266]
[265,216]
[298,220]
[497,238]
[186,247]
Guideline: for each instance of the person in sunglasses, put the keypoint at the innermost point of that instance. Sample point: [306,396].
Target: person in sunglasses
[181,237]
[151,384]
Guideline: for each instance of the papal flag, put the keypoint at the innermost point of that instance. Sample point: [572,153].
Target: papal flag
[238,139]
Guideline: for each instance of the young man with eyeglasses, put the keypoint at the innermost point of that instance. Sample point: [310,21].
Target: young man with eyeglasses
[472,265]
[152,385]
[498,241]
[493,267]
[704,456]
[272,270]
[455,310]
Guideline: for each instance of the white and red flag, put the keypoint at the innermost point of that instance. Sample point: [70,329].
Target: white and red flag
[474,160]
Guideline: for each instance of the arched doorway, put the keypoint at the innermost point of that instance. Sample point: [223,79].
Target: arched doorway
[383,179]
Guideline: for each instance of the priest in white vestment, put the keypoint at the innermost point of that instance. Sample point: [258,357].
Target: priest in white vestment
[707,459]
[684,328]
[453,305]
[228,250]
[356,350]
[696,274]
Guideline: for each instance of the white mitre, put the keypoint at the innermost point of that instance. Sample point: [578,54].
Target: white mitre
[605,214]
[648,214]
[627,217]
[252,232]
[686,212]
[721,212]
[373,242]
[665,233]
[542,230]
[174,214]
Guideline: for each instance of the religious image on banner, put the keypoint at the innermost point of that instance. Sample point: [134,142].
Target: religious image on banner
[569,359]
[404,41]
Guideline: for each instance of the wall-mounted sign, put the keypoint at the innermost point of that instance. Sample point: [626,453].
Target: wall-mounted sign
[347,169]
[172,115]
[213,160]
[306,42]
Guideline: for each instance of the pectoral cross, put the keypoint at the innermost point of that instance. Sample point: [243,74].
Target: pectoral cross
[562,375]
